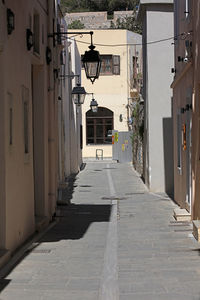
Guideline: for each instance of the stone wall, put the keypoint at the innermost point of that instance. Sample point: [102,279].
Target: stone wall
[96,20]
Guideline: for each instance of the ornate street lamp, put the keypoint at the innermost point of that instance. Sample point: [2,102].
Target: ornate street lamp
[92,62]
[78,94]
[94,105]
[91,59]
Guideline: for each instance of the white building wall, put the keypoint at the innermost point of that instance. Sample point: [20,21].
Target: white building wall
[158,61]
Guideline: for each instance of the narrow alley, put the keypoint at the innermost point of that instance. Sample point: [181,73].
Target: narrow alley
[114,241]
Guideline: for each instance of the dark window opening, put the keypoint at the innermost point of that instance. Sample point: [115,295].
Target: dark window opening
[26,129]
[98,126]
[36,31]
[11,126]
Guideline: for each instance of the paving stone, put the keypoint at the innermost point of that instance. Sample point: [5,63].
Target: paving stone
[157,259]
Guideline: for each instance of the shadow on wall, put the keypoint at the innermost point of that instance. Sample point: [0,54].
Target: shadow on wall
[168,156]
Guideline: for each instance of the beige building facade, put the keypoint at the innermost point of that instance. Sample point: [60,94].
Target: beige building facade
[195,159]
[112,90]
[186,91]
[183,94]
[34,102]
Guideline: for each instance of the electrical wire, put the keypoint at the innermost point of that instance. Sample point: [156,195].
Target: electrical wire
[182,36]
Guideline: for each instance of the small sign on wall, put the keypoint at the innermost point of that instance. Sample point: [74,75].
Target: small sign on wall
[184,137]
[113,139]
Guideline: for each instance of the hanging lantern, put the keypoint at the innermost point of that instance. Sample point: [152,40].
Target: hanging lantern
[78,94]
[92,63]
[94,105]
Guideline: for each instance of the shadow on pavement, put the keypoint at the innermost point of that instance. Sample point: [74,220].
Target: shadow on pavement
[73,223]
[75,220]
[3,284]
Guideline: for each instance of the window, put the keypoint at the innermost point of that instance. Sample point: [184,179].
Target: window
[26,146]
[11,126]
[36,31]
[110,65]
[25,111]
[106,65]
[99,126]
[10,119]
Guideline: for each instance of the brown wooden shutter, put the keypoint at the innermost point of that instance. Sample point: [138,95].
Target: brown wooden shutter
[116,64]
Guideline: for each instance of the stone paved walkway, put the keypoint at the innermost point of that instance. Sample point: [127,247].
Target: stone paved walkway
[116,241]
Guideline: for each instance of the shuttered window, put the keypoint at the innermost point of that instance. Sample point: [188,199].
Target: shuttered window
[110,64]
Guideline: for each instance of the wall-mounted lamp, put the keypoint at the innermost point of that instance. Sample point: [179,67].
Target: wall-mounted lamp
[186,108]
[182,110]
[91,59]
[94,105]
[56,73]
[120,118]
[173,70]
[48,55]
[78,94]
[10,21]
[29,39]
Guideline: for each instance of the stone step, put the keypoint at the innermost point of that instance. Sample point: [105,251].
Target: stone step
[196,229]
[181,214]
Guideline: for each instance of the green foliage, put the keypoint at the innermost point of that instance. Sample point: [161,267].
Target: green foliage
[83,5]
[138,123]
[122,4]
[76,24]
[128,23]
[98,5]
[110,6]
